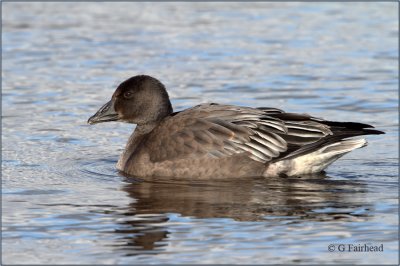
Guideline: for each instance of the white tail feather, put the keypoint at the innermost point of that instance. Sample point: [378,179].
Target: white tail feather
[316,161]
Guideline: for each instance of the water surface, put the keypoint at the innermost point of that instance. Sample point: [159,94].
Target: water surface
[63,200]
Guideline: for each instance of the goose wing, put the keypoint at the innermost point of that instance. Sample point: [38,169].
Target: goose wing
[315,133]
[219,131]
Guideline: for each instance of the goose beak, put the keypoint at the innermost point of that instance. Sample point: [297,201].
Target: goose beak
[105,114]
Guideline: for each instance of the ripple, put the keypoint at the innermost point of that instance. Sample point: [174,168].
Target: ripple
[100,168]
[33,192]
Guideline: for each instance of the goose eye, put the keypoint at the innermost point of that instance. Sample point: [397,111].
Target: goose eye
[128,94]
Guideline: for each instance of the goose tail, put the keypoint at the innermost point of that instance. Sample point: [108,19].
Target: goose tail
[315,161]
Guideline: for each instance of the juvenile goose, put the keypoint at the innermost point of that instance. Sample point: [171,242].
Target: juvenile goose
[218,141]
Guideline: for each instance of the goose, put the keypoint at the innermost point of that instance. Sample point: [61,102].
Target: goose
[219,140]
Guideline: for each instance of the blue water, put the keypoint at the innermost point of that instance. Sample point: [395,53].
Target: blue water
[63,200]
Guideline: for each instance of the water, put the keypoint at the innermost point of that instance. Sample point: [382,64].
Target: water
[64,201]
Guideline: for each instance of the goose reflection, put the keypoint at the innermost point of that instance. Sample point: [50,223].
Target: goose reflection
[274,201]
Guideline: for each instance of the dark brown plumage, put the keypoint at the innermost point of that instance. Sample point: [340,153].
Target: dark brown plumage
[219,141]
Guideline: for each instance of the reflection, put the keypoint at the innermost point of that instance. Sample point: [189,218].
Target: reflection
[141,235]
[273,201]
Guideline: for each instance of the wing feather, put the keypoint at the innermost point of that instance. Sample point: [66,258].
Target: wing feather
[220,131]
